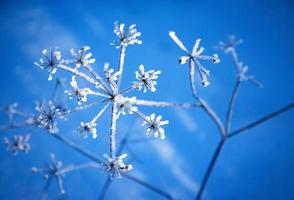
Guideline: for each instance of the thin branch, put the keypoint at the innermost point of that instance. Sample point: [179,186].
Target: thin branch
[113,129]
[122,55]
[77,148]
[46,188]
[82,75]
[262,120]
[213,116]
[57,84]
[87,106]
[99,79]
[163,104]
[77,167]
[148,186]
[105,187]
[231,105]
[209,169]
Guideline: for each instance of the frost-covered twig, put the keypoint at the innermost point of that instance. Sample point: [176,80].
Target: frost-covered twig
[210,168]
[77,148]
[139,102]
[150,187]
[262,120]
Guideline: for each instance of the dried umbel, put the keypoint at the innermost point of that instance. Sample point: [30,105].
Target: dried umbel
[106,94]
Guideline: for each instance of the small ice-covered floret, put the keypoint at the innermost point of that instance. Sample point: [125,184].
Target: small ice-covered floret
[48,115]
[147,79]
[52,170]
[82,57]
[19,143]
[194,57]
[230,45]
[111,76]
[87,128]
[114,166]
[154,125]
[11,110]
[125,103]
[50,61]
[126,37]
[80,94]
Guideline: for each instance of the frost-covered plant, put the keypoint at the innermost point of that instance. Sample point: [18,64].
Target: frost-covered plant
[106,91]
[17,144]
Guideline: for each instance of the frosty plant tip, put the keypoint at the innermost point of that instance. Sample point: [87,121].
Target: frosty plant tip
[107,91]
[194,58]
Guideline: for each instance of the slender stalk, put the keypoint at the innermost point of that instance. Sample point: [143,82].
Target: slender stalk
[211,113]
[57,84]
[82,75]
[148,186]
[76,167]
[262,120]
[210,168]
[45,189]
[113,129]
[231,105]
[122,55]
[192,77]
[163,104]
[105,187]
[77,148]
[87,106]
[99,79]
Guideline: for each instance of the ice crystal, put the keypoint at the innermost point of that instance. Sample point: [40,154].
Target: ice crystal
[194,58]
[48,115]
[50,61]
[147,79]
[82,57]
[19,143]
[154,124]
[124,38]
[87,128]
[114,166]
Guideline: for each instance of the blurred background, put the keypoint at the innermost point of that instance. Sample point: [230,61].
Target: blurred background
[257,164]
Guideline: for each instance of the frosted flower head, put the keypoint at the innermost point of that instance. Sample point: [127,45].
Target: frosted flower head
[48,115]
[80,94]
[50,61]
[232,42]
[52,170]
[82,57]
[111,76]
[154,126]
[19,143]
[125,104]
[87,128]
[194,57]
[147,79]
[126,37]
[114,166]
[11,110]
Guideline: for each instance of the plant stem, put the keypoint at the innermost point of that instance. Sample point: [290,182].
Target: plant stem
[262,120]
[210,168]
[231,105]
[113,129]
[122,55]
[77,148]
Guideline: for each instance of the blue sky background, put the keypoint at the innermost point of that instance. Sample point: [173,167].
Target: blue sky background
[255,165]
